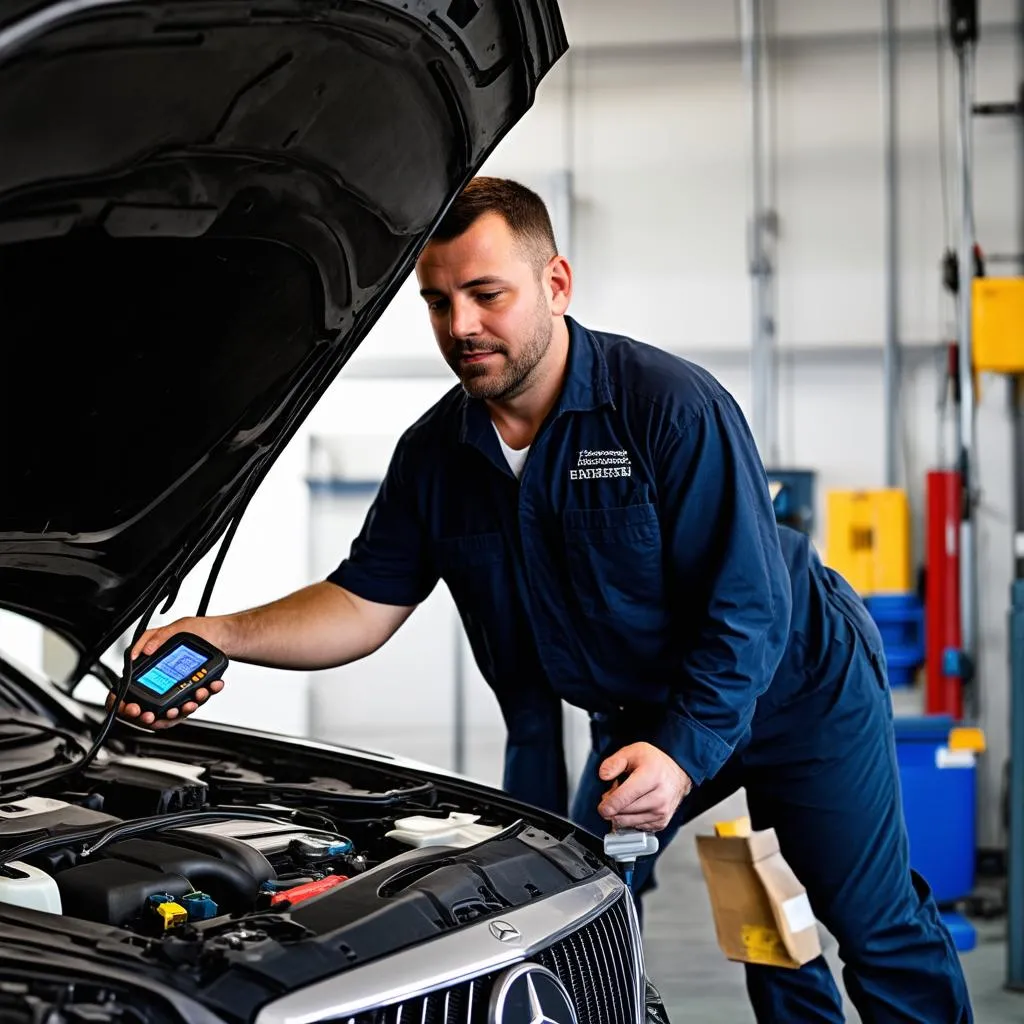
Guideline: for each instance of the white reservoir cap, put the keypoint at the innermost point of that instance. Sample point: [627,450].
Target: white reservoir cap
[33,889]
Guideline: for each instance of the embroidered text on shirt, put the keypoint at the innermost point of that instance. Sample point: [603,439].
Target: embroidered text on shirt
[595,465]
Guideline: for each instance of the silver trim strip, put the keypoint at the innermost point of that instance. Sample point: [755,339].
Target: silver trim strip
[451,959]
[640,974]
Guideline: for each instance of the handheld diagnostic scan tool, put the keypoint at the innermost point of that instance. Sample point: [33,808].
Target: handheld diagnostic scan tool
[169,676]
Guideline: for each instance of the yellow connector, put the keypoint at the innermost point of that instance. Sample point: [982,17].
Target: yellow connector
[963,737]
[172,914]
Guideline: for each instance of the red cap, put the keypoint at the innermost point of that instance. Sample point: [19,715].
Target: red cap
[304,892]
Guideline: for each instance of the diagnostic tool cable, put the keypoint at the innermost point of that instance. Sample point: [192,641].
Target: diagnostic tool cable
[19,785]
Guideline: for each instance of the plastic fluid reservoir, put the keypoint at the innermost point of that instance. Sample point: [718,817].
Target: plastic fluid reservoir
[456,830]
[27,886]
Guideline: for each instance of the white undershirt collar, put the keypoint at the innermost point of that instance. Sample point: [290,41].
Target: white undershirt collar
[515,457]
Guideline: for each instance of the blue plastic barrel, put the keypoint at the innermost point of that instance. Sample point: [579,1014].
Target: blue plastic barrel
[900,620]
[965,936]
[939,805]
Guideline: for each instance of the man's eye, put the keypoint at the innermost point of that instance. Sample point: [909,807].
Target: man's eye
[437,305]
[487,296]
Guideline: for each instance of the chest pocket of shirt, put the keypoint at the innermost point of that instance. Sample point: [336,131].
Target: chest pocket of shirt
[615,562]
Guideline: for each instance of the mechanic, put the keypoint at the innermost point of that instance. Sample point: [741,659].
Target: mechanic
[600,513]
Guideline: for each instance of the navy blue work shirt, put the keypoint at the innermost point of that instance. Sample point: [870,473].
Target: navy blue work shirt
[636,568]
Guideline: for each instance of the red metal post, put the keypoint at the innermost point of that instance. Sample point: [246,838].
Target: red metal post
[943,693]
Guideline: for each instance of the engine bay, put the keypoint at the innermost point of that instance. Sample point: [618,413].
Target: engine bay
[194,836]
[226,867]
[166,878]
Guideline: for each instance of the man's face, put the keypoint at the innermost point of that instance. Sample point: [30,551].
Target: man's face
[490,308]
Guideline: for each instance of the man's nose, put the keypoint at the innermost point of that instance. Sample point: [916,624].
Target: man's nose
[463,320]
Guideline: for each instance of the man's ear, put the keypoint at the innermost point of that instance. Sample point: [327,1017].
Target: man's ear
[558,284]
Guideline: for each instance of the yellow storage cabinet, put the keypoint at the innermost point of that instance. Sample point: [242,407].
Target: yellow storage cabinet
[868,539]
[997,324]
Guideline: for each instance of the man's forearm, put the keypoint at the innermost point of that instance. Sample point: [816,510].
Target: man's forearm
[320,626]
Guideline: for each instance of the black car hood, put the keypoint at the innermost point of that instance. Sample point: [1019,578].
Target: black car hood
[204,206]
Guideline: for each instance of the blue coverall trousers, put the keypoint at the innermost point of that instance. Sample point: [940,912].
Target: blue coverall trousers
[822,771]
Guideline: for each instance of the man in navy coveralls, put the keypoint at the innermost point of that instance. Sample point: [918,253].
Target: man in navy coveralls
[600,513]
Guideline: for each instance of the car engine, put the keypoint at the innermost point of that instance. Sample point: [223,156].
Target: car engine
[200,871]
[249,841]
[256,878]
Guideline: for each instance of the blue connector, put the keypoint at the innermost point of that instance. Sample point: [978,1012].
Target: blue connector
[957,664]
[200,907]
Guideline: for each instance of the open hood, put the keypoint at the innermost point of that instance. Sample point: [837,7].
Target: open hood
[204,206]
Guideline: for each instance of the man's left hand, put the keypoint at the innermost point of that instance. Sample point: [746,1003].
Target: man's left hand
[649,798]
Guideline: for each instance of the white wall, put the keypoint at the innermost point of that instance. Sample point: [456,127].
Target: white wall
[655,143]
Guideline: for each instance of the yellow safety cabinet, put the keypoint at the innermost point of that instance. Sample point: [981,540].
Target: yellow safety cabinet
[868,539]
[997,328]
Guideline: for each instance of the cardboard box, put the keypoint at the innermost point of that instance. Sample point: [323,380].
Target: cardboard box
[762,914]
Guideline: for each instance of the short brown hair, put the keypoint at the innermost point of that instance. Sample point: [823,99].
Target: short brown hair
[521,209]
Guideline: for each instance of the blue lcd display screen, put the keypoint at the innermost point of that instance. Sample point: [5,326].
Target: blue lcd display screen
[171,669]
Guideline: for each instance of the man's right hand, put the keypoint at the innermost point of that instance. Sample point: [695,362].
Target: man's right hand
[207,628]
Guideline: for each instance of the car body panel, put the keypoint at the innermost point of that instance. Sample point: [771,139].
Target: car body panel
[204,207]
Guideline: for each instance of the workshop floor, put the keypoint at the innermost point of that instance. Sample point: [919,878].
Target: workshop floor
[700,985]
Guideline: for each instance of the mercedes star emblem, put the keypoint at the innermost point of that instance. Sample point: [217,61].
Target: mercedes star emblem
[530,994]
[504,932]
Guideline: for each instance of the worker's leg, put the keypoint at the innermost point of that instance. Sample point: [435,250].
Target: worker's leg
[820,1001]
[823,773]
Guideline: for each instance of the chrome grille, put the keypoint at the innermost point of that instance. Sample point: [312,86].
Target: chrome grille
[597,965]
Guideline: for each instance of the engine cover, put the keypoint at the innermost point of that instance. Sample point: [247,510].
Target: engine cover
[112,887]
[38,815]
[268,837]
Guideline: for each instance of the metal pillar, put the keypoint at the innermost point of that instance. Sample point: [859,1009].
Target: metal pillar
[891,363]
[565,188]
[762,355]
[1015,797]
[1015,858]
[1015,846]
[1017,384]
[964,31]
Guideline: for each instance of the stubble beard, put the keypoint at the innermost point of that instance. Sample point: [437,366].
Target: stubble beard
[517,374]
